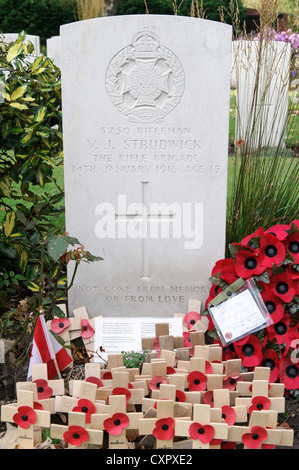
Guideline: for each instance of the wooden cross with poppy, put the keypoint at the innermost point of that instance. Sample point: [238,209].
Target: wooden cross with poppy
[260,399]
[201,429]
[162,427]
[29,419]
[44,390]
[261,432]
[193,320]
[229,414]
[168,392]
[260,394]
[84,402]
[76,434]
[244,387]
[162,340]
[61,326]
[116,421]
[121,385]
[70,328]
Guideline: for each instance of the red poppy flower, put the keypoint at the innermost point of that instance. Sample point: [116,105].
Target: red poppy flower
[231,382]
[228,414]
[156,345]
[249,351]
[226,269]
[295,222]
[280,231]
[180,396]
[208,398]
[187,338]
[121,391]
[191,318]
[215,290]
[216,442]
[274,305]
[164,429]
[205,433]
[116,424]
[85,406]
[270,359]
[240,142]
[268,446]
[289,374]
[228,445]
[95,380]
[281,330]
[156,381]
[247,264]
[255,437]
[75,435]
[247,241]
[170,370]
[272,250]
[37,405]
[43,390]
[294,331]
[59,324]
[107,376]
[86,330]
[24,417]
[292,271]
[259,404]
[282,285]
[197,381]
[292,245]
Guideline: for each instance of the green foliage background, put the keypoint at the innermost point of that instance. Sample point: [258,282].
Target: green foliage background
[211,8]
[38,17]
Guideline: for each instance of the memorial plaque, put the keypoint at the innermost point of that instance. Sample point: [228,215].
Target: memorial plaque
[145,123]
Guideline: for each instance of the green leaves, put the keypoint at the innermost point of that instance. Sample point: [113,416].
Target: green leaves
[9,223]
[14,51]
[40,114]
[57,247]
[18,92]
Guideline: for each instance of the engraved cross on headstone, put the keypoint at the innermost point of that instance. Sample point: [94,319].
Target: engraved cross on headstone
[142,218]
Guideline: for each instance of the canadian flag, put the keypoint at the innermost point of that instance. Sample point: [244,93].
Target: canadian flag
[46,349]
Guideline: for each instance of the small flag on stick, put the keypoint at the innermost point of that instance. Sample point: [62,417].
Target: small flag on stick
[46,349]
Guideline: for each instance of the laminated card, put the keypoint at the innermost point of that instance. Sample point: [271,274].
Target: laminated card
[145,128]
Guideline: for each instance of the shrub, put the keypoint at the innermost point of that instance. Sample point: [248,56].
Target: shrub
[34,250]
[42,18]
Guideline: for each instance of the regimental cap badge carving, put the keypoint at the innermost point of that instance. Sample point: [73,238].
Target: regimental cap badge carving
[145,81]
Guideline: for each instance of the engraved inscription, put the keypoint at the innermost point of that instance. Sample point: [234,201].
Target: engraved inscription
[145,81]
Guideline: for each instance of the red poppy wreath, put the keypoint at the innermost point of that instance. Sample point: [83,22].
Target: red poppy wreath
[271,258]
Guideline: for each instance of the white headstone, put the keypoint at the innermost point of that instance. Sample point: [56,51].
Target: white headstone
[53,49]
[145,123]
[35,40]
[261,105]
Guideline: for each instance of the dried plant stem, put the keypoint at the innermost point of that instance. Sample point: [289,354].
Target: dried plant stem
[87,9]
